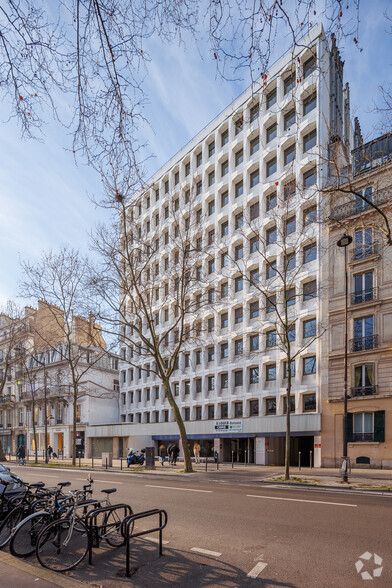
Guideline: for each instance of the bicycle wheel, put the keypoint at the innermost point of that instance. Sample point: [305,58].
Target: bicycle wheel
[112,530]
[10,522]
[24,540]
[60,546]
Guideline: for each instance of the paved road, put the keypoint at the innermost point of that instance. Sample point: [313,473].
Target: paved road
[239,533]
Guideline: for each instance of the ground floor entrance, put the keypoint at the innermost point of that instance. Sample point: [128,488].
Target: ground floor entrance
[240,450]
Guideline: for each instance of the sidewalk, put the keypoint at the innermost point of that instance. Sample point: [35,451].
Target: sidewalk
[20,574]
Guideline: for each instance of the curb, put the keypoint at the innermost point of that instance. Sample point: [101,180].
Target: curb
[327,487]
[55,578]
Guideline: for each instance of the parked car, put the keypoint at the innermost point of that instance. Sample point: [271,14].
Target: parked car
[15,483]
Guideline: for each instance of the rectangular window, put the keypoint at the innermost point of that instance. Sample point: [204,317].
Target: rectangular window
[238,409]
[166,186]
[309,328]
[238,347]
[239,189]
[211,207]
[224,137]
[239,125]
[289,190]
[187,414]
[310,140]
[210,411]
[291,333]
[254,276]
[211,353]
[239,220]
[310,290]
[254,178]
[270,372]
[254,342]
[199,187]
[199,159]
[224,259]
[224,410]
[309,66]
[198,413]
[271,235]
[198,385]
[309,177]
[271,166]
[270,405]
[289,83]
[254,145]
[270,304]
[289,261]
[211,266]
[289,154]
[271,269]
[211,178]
[271,201]
[224,167]
[224,381]
[224,289]
[224,320]
[309,365]
[187,360]
[290,226]
[254,309]
[363,334]
[187,169]
[272,132]
[253,408]
[364,245]
[211,148]
[292,404]
[363,288]
[254,112]
[254,375]
[239,283]
[292,368]
[309,402]
[211,325]
[239,252]
[310,215]
[176,178]
[198,357]
[289,119]
[239,157]
[310,252]
[271,98]
[253,244]
[271,338]
[363,380]
[211,237]
[238,315]
[310,103]
[224,198]
[224,350]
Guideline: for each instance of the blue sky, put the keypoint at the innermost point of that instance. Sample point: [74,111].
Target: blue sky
[44,195]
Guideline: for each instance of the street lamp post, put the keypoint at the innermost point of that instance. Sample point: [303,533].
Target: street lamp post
[344,242]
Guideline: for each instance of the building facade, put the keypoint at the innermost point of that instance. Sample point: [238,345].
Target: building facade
[262,159]
[369,313]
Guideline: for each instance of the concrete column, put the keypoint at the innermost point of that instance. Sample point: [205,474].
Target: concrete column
[260,451]
[317,451]
[116,448]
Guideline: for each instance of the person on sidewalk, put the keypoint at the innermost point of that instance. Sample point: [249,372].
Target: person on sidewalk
[169,454]
[196,452]
[21,454]
[174,454]
[162,454]
[50,451]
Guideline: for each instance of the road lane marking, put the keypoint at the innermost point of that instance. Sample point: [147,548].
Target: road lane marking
[300,500]
[103,481]
[206,551]
[175,488]
[43,475]
[156,540]
[259,567]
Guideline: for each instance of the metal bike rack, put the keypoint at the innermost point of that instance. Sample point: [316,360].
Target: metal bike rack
[127,522]
[93,528]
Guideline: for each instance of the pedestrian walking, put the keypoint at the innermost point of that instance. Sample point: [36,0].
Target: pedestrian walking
[174,454]
[162,454]
[196,452]
[169,454]
[50,451]
[21,454]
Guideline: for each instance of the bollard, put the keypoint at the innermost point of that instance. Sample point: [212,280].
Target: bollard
[246,457]
[79,460]
[206,462]
[121,463]
[217,462]
[92,462]
[299,460]
[232,459]
[311,455]
[106,463]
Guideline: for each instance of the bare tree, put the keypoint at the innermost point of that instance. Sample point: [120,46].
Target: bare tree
[59,280]
[277,273]
[151,288]
[13,331]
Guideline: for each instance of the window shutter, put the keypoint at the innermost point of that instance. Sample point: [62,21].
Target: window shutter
[379,426]
[350,435]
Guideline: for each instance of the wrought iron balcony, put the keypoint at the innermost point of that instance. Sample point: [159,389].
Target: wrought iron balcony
[364,343]
[362,437]
[364,251]
[363,390]
[357,206]
[7,398]
[364,295]
[372,154]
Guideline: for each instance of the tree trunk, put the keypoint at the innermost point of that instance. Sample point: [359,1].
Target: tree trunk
[75,399]
[288,430]
[181,427]
[34,433]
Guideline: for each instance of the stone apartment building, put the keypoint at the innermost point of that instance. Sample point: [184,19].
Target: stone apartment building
[38,368]
[369,313]
[263,157]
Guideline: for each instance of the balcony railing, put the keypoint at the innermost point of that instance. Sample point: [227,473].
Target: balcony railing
[363,390]
[363,437]
[357,206]
[364,295]
[364,343]
[372,154]
[7,398]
